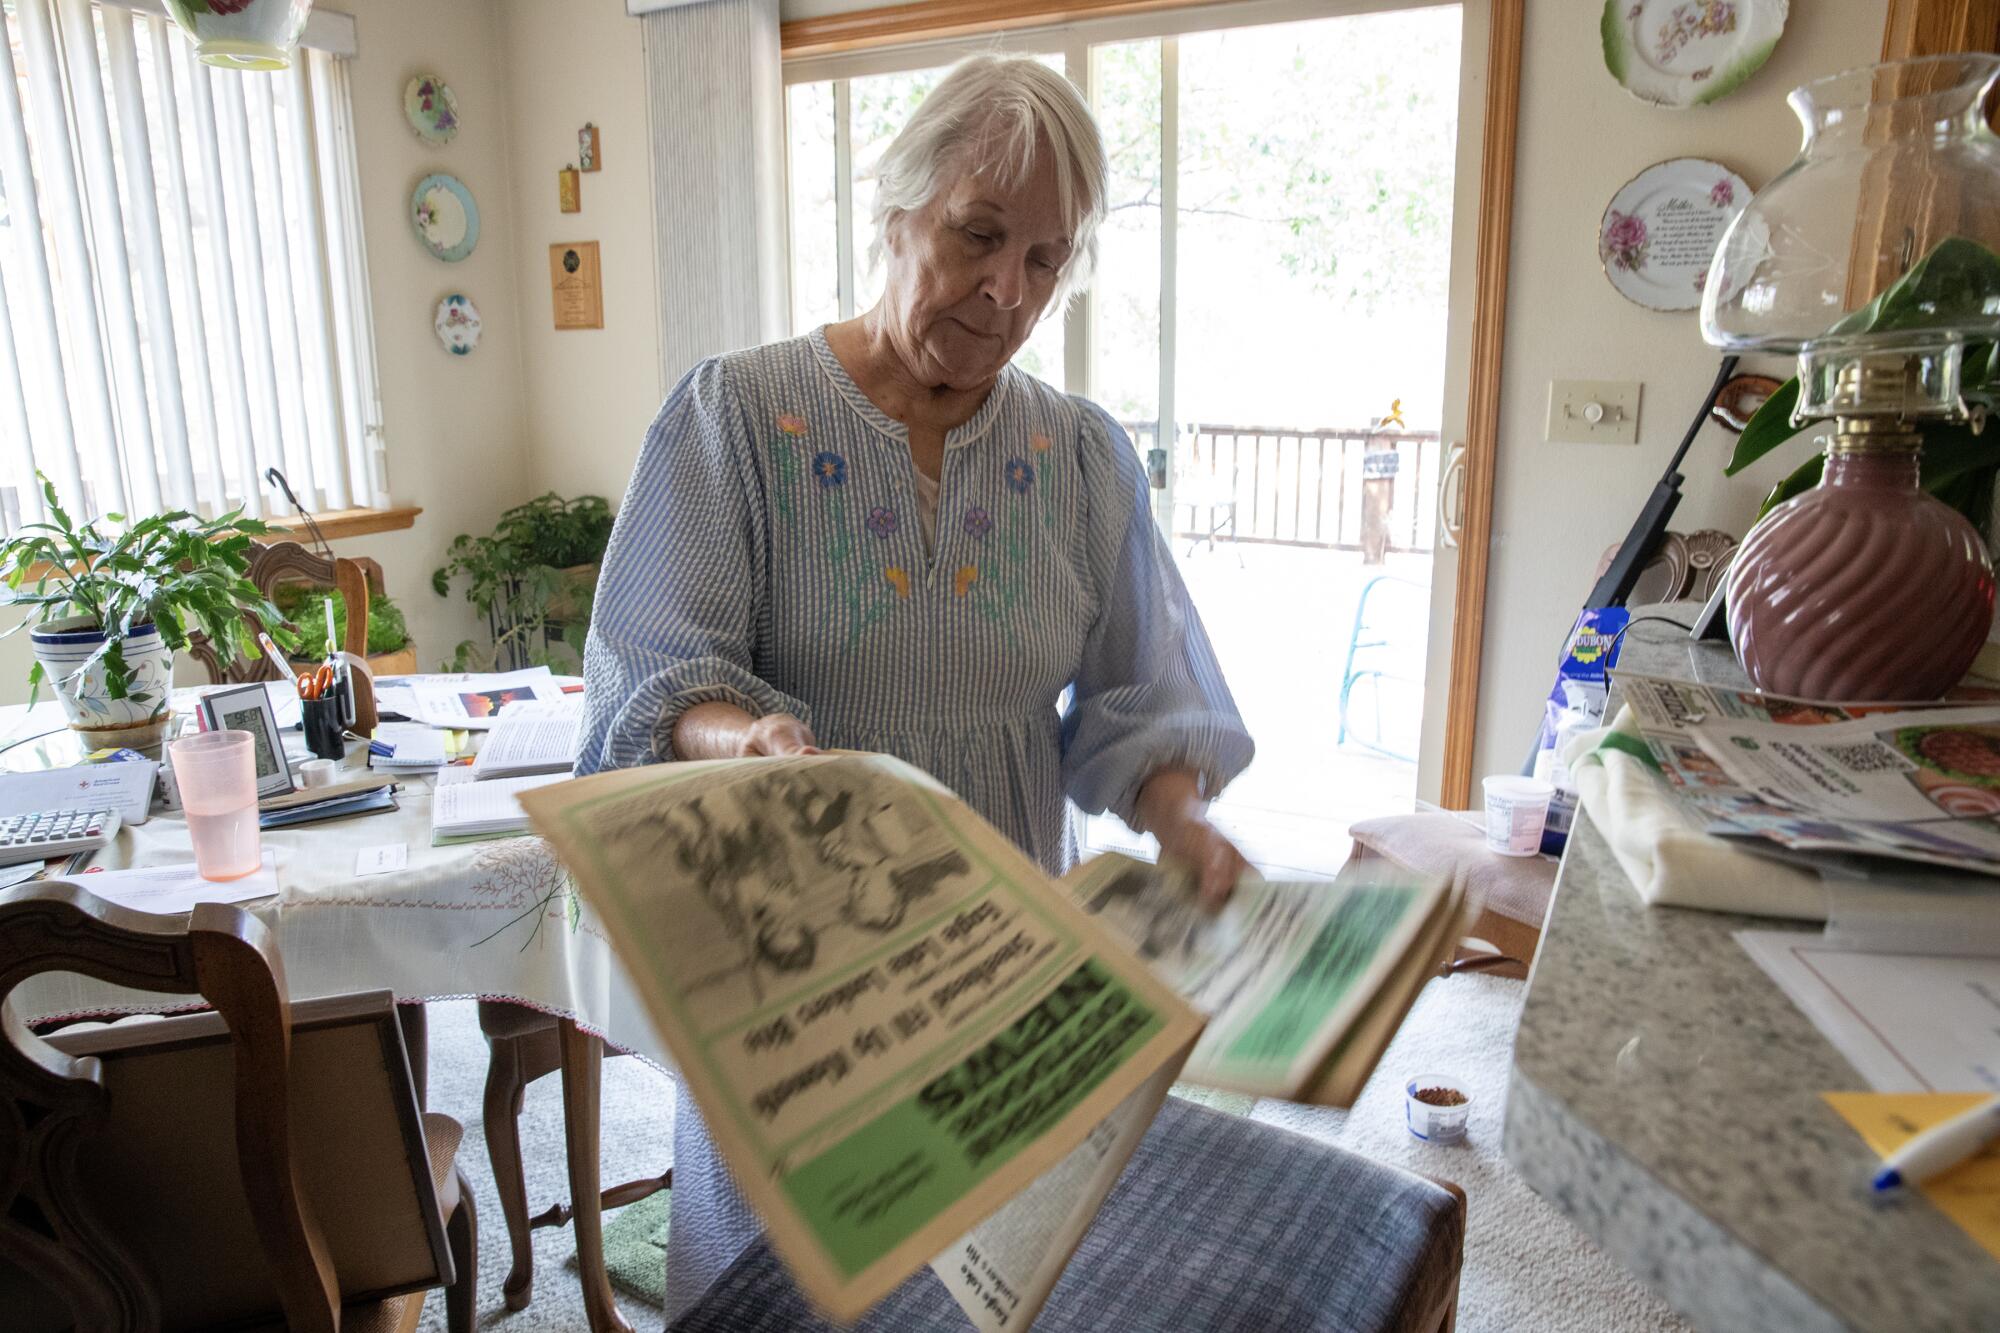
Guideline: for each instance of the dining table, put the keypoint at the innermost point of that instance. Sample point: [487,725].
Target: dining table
[497,919]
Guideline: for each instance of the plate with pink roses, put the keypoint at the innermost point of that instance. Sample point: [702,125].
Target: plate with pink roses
[1658,236]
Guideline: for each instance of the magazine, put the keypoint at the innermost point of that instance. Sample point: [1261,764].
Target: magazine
[1907,782]
[1289,975]
[908,1044]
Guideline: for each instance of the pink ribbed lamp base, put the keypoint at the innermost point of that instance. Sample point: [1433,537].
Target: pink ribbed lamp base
[1864,588]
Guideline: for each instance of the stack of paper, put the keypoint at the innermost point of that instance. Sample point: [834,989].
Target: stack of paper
[416,747]
[531,738]
[470,811]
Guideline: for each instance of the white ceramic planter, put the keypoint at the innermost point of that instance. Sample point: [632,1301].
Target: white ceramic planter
[243,34]
[61,646]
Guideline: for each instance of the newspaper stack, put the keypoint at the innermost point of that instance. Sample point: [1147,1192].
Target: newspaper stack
[1832,785]
[909,1045]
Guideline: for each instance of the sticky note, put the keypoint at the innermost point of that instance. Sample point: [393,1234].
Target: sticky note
[1969,1194]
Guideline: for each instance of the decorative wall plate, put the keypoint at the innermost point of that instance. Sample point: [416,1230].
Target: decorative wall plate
[1687,52]
[1658,236]
[446,219]
[457,324]
[431,108]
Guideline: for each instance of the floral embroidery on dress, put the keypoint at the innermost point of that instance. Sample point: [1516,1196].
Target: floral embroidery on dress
[881,521]
[830,470]
[978,523]
[899,579]
[1040,443]
[962,581]
[1020,476]
[791,423]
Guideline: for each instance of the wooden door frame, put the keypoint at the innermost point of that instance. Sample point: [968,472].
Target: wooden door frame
[932,20]
[1482,397]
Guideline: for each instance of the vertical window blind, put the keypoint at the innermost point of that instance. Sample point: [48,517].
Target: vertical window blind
[182,276]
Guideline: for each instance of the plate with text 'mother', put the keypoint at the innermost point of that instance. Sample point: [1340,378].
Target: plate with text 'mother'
[1658,236]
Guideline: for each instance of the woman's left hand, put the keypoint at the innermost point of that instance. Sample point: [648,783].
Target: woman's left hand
[1172,809]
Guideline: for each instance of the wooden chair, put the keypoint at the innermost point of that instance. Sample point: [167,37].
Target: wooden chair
[523,1045]
[144,1166]
[289,562]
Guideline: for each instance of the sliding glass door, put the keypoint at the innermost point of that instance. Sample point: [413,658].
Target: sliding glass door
[1268,322]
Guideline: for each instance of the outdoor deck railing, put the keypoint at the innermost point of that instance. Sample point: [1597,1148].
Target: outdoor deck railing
[1292,487]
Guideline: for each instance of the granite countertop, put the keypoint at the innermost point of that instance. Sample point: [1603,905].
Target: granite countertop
[1665,1095]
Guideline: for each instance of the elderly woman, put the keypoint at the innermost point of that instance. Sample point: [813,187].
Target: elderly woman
[883,537]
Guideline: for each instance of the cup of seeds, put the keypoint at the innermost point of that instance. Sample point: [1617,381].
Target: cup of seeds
[1436,1108]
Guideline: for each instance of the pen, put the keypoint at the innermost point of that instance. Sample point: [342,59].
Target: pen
[1941,1147]
[276,658]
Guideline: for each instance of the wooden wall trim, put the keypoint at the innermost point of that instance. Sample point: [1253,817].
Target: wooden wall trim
[1482,408]
[933,20]
[1940,27]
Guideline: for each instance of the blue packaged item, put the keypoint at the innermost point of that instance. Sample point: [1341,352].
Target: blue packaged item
[1577,700]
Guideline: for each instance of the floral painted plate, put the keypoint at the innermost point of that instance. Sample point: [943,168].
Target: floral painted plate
[1659,234]
[431,108]
[446,219]
[457,324]
[1687,52]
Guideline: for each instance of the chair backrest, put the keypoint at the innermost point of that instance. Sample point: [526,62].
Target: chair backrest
[289,562]
[159,1157]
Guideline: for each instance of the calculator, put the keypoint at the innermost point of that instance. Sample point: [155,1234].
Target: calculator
[41,835]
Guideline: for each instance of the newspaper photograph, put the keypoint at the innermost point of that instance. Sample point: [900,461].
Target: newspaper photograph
[1910,782]
[1282,973]
[892,1021]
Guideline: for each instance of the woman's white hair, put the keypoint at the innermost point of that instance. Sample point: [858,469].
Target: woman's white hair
[991,116]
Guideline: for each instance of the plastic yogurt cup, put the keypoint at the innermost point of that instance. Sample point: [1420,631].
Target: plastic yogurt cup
[1431,1111]
[1516,809]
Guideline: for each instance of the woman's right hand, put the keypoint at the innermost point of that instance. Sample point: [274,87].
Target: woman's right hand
[777,734]
[717,730]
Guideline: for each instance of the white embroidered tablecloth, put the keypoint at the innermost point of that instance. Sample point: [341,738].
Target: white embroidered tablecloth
[491,919]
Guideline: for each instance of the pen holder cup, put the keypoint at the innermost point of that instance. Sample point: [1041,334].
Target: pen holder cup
[324,727]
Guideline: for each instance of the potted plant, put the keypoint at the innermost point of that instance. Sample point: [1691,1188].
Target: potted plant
[112,607]
[533,580]
[389,651]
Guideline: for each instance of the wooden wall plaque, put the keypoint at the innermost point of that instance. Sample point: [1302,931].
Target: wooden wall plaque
[576,285]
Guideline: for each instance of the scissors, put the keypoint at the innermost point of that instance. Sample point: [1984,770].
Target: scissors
[315,684]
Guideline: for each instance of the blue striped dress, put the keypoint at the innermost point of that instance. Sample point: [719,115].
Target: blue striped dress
[769,553]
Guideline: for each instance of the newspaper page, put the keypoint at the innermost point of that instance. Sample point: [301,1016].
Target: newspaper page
[893,1022]
[1910,782]
[1281,973]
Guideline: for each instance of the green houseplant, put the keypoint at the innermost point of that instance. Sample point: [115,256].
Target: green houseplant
[532,579]
[388,631]
[1959,462]
[110,607]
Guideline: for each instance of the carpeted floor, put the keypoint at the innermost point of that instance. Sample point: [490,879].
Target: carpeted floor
[1526,1267]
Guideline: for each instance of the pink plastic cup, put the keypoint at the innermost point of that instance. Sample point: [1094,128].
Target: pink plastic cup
[217,775]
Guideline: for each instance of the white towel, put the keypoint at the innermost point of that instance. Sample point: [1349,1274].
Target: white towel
[1658,841]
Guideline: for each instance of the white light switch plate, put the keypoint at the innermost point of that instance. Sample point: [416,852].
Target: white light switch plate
[1593,412]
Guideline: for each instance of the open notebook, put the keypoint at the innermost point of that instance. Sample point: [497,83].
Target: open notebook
[463,810]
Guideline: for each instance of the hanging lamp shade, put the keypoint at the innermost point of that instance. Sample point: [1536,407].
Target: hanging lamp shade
[243,34]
